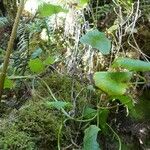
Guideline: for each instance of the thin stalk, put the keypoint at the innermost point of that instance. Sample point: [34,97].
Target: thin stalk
[10,47]
[98,120]
[117,136]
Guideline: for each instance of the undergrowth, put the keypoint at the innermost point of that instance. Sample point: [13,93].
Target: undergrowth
[78,77]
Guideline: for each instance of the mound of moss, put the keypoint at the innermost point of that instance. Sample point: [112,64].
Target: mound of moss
[12,138]
[33,127]
[61,85]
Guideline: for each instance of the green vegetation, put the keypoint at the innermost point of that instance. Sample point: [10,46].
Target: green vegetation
[74,75]
[32,127]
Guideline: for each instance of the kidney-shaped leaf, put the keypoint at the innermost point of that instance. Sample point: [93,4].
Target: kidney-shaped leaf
[83,2]
[97,40]
[113,83]
[132,64]
[90,137]
[47,9]
[36,65]
[8,83]
[89,112]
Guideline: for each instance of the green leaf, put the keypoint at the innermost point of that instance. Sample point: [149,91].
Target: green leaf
[83,2]
[58,104]
[113,83]
[89,112]
[36,53]
[90,137]
[132,64]
[8,83]
[97,40]
[120,76]
[47,9]
[49,60]
[36,65]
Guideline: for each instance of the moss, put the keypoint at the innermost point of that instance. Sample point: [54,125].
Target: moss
[13,139]
[70,89]
[59,84]
[35,127]
[40,125]
[64,88]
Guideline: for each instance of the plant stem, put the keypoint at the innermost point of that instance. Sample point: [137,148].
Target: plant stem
[10,47]
[117,136]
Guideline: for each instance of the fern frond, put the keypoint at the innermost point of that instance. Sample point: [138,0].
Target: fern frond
[23,37]
[3,21]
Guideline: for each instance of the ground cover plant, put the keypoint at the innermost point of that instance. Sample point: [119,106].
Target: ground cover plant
[74,75]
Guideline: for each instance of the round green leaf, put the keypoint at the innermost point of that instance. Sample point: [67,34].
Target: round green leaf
[113,83]
[36,65]
[8,83]
[97,40]
[47,9]
[82,3]
[89,112]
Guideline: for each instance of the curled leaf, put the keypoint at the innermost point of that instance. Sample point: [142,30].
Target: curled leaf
[90,142]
